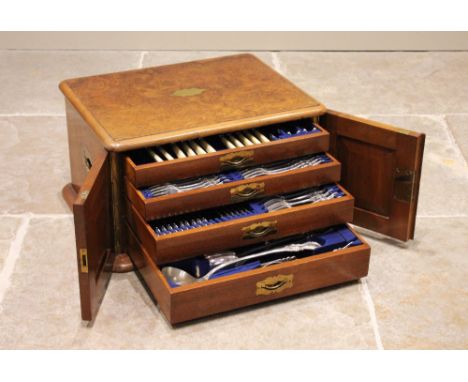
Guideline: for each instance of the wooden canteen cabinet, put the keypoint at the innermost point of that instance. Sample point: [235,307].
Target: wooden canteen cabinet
[111,119]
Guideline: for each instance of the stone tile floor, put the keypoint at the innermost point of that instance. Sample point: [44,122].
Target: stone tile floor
[416,294]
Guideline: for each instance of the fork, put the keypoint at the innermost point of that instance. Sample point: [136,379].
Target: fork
[282,202]
[171,188]
[281,167]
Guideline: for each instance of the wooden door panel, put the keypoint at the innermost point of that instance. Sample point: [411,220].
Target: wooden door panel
[381,168]
[92,212]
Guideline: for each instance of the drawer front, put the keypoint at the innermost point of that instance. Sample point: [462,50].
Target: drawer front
[251,287]
[230,159]
[234,192]
[240,232]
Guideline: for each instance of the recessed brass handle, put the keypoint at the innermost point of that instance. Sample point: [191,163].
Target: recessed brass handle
[274,284]
[257,230]
[247,191]
[236,160]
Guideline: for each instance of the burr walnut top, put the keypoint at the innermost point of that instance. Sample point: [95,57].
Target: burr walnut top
[169,103]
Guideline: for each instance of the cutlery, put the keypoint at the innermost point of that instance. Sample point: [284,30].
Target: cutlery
[234,140]
[155,156]
[252,138]
[208,148]
[178,151]
[213,180]
[246,141]
[197,148]
[260,136]
[165,153]
[188,150]
[181,277]
[227,142]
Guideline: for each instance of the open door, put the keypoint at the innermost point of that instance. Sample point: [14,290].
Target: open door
[92,211]
[381,168]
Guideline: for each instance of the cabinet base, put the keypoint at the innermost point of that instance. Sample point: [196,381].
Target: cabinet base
[122,264]
[69,194]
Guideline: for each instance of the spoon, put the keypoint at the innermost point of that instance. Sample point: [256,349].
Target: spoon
[180,277]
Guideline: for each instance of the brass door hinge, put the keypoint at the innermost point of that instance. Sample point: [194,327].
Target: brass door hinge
[84,260]
[404,185]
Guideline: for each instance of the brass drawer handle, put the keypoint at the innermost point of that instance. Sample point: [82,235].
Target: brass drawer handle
[257,230]
[236,160]
[274,284]
[247,191]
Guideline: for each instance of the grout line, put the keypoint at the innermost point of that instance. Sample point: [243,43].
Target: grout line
[36,216]
[365,293]
[276,62]
[13,255]
[142,58]
[453,140]
[442,216]
[437,115]
[32,115]
[434,115]
[94,50]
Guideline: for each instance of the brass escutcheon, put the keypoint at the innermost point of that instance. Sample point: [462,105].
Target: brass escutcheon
[257,230]
[236,160]
[84,260]
[274,284]
[247,191]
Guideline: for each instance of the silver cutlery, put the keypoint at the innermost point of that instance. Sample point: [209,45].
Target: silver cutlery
[280,203]
[216,259]
[214,180]
[181,277]
[278,261]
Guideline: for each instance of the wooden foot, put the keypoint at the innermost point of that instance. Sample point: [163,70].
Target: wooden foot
[69,194]
[122,263]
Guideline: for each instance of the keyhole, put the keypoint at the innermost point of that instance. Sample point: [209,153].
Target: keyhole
[84,260]
[88,163]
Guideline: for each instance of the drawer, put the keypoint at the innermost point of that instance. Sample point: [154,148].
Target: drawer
[234,192]
[242,231]
[225,293]
[141,170]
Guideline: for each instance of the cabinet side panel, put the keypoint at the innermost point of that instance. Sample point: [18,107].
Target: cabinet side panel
[84,146]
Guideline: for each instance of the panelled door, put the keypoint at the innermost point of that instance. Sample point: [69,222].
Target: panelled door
[381,168]
[92,212]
